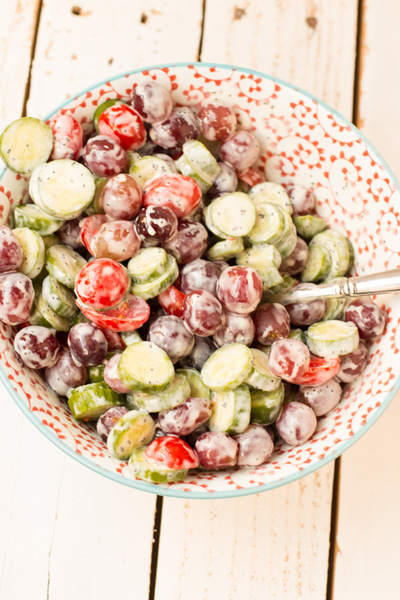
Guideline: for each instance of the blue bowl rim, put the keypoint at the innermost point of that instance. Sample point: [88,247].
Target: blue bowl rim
[234,493]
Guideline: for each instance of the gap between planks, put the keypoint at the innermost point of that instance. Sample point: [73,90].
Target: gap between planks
[33,50]
[333,545]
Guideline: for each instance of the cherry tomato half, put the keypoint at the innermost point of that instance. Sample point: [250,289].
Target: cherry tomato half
[172,452]
[130,314]
[102,283]
[122,122]
[180,193]
[89,227]
[171,301]
[319,371]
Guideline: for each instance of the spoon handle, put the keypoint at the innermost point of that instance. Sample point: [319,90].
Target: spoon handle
[385,282]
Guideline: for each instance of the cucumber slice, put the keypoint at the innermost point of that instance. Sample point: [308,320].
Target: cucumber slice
[35,318]
[95,374]
[59,297]
[227,367]
[184,167]
[33,248]
[130,337]
[198,162]
[145,367]
[25,144]
[274,293]
[48,314]
[63,188]
[261,376]
[230,410]
[142,468]
[288,242]
[64,264]
[226,249]
[339,250]
[330,339]
[309,225]
[148,264]
[271,192]
[154,287]
[176,394]
[133,430]
[335,308]
[88,402]
[145,168]
[297,334]
[318,264]
[32,216]
[50,240]
[232,214]
[266,406]
[197,387]
[269,226]
[265,259]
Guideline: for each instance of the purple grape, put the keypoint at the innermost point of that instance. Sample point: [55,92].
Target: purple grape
[237,328]
[192,438]
[303,314]
[170,334]
[36,347]
[289,359]
[181,126]
[241,150]
[225,182]
[156,225]
[296,424]
[189,242]
[203,313]
[302,199]
[202,350]
[216,451]
[353,364]
[199,274]
[121,197]
[11,253]
[369,318]
[217,121]
[321,398]
[272,322]
[65,374]
[88,344]
[255,446]
[296,262]
[69,234]
[186,418]
[16,298]
[152,101]
[111,375]
[108,419]
[105,156]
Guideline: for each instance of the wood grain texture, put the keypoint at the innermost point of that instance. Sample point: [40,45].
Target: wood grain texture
[74,533]
[271,545]
[274,545]
[18,17]
[368,533]
[105,39]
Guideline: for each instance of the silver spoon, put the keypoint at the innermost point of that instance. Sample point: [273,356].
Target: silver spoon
[345,287]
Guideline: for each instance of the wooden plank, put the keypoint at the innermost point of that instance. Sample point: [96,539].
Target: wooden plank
[17,31]
[107,38]
[77,534]
[273,545]
[368,532]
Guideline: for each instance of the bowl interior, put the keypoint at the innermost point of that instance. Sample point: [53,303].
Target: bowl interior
[304,141]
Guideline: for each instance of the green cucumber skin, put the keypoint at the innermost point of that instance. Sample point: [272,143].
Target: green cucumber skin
[174,395]
[143,469]
[266,406]
[90,401]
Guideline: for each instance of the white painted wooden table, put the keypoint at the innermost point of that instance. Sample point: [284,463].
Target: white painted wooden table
[66,532]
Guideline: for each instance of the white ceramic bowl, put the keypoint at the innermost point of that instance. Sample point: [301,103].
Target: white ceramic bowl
[302,140]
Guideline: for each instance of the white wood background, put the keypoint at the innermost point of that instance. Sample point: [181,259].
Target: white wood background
[68,533]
